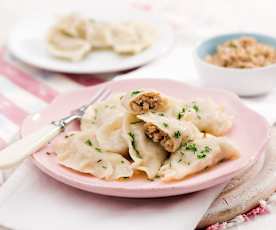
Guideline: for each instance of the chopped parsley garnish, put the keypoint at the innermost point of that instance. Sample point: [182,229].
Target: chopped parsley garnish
[98,149]
[177,134]
[122,162]
[104,167]
[161,114]
[133,93]
[195,108]
[201,155]
[96,114]
[133,143]
[181,113]
[207,149]
[165,125]
[135,122]
[70,135]
[179,160]
[88,142]
[191,147]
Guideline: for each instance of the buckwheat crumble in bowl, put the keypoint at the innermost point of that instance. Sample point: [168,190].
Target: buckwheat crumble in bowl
[244,52]
[244,63]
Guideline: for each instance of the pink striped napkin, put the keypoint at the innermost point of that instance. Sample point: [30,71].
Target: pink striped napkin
[25,89]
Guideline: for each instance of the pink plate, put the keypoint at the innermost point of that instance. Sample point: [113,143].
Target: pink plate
[250,132]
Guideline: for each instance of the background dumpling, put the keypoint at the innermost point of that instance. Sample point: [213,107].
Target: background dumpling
[100,35]
[81,152]
[66,47]
[131,37]
[147,156]
[67,39]
[195,156]
[75,26]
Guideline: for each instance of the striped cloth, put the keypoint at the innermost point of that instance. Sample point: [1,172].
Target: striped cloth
[25,90]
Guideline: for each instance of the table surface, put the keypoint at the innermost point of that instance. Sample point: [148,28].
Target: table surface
[192,20]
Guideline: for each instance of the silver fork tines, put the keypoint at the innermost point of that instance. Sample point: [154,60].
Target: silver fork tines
[100,95]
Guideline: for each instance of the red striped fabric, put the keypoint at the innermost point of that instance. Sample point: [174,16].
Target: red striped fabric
[23,80]
[11,111]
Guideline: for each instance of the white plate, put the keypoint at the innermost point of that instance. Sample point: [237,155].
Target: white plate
[28,43]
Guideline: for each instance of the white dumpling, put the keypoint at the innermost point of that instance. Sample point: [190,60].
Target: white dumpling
[109,136]
[195,156]
[99,113]
[142,101]
[147,156]
[168,131]
[206,115]
[80,151]
[131,37]
[66,47]
[100,35]
[67,39]
[75,26]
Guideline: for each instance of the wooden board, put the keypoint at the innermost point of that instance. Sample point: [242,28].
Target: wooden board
[246,190]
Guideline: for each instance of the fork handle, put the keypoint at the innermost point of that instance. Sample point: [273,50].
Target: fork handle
[24,147]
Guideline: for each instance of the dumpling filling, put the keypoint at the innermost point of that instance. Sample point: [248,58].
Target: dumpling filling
[157,135]
[150,101]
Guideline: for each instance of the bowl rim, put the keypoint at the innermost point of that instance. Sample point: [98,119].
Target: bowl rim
[231,69]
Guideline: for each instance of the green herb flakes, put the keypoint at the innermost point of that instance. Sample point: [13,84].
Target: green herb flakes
[165,125]
[203,153]
[135,122]
[133,143]
[133,93]
[191,147]
[177,134]
[181,113]
[195,108]
[179,116]
[98,149]
[88,142]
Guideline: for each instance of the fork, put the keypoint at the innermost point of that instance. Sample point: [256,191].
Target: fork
[21,149]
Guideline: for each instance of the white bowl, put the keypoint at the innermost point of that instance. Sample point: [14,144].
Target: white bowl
[244,82]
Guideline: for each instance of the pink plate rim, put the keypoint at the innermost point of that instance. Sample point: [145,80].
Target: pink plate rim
[150,189]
